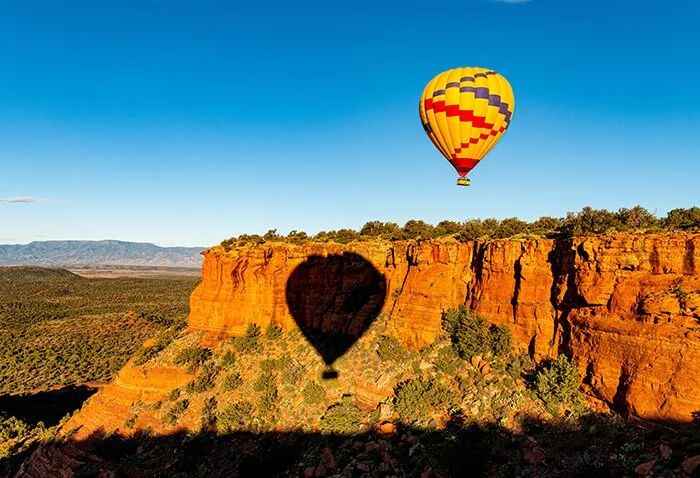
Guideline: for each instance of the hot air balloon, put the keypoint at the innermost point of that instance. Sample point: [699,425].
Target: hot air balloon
[465,112]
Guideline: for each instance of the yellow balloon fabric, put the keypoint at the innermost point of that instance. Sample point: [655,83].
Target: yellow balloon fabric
[465,112]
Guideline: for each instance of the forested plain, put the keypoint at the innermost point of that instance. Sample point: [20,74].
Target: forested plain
[58,328]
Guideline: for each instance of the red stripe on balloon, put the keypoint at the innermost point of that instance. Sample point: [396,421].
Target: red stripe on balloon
[453,110]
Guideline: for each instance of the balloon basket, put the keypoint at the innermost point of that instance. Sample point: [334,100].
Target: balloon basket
[463,182]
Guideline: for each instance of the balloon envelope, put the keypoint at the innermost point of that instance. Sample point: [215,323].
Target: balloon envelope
[465,112]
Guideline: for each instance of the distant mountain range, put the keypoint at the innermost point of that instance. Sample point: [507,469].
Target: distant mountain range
[66,253]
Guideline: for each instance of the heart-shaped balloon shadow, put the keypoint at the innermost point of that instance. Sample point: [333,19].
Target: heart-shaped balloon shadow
[334,299]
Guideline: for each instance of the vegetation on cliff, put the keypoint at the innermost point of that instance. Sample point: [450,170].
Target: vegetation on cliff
[587,222]
[448,409]
[17,435]
[257,383]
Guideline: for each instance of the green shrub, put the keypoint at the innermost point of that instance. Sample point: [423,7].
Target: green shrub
[12,428]
[473,229]
[386,230]
[591,222]
[518,366]
[271,235]
[447,361]
[209,412]
[205,380]
[268,400]
[416,398]
[276,364]
[510,227]
[447,227]
[173,415]
[228,360]
[472,335]
[193,357]
[130,423]
[268,365]
[264,382]
[297,237]
[174,394]
[500,340]
[237,416]
[273,332]
[163,339]
[268,387]
[389,348]
[558,383]
[16,436]
[418,229]
[451,318]
[232,381]
[683,218]
[314,393]
[343,417]
[637,218]
[293,372]
[250,341]
[586,222]
[284,362]
[545,226]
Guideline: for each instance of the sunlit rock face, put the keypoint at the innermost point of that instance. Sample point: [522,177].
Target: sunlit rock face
[626,307]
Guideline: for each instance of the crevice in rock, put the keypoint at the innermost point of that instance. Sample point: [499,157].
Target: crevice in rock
[390,260]
[269,252]
[654,260]
[237,273]
[411,261]
[477,267]
[562,259]
[581,251]
[689,258]
[518,276]
[623,385]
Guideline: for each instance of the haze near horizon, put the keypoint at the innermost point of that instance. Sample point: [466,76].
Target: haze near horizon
[184,123]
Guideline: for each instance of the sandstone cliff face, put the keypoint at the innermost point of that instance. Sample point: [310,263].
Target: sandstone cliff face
[626,307]
[135,386]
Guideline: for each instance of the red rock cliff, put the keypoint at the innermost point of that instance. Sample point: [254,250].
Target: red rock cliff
[626,307]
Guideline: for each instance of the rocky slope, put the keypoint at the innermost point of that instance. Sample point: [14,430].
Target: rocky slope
[627,307]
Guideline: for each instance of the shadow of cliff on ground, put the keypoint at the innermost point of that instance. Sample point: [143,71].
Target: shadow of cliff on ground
[593,445]
[334,299]
[47,406]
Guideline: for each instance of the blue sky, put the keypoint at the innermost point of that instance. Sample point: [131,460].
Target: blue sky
[184,123]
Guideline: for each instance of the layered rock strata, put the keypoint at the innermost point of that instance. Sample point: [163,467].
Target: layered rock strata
[626,307]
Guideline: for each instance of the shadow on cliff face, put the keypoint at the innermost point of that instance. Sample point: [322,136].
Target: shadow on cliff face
[593,445]
[334,299]
[48,406]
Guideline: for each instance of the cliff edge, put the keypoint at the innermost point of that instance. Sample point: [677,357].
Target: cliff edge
[625,307]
